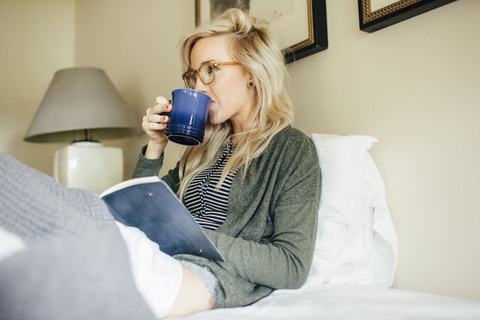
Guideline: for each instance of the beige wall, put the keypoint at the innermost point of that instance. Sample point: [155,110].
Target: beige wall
[415,86]
[36,39]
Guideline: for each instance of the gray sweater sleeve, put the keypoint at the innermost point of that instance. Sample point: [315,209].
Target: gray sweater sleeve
[151,167]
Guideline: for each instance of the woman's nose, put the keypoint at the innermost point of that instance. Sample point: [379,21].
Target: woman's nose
[200,86]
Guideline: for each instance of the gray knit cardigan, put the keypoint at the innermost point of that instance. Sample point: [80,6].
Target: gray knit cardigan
[268,237]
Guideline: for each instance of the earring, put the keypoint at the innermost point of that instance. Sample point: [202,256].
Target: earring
[250,84]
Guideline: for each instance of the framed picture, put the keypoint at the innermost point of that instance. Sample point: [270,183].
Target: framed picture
[378,14]
[300,25]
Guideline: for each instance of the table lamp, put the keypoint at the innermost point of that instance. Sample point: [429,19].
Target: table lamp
[80,105]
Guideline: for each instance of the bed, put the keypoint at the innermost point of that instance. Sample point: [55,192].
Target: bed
[353,267]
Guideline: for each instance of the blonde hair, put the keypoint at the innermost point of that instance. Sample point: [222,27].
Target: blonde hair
[252,44]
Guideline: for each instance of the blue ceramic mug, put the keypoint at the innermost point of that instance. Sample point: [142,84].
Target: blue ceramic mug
[188,118]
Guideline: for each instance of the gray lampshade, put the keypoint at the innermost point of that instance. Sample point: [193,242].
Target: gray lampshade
[80,99]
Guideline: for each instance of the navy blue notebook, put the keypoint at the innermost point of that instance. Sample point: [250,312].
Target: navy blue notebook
[150,205]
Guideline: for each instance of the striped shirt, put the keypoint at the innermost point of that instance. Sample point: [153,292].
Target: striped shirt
[208,204]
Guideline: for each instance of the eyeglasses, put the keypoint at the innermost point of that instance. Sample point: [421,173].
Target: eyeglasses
[206,73]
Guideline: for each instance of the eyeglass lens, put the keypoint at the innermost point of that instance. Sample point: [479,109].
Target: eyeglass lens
[206,74]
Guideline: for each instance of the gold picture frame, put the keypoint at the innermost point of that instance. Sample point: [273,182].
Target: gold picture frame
[373,19]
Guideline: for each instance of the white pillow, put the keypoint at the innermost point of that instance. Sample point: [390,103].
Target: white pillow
[356,240]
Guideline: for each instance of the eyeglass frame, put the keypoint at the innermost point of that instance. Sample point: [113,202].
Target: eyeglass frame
[196,73]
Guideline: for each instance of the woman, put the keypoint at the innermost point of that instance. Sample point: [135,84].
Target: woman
[254,183]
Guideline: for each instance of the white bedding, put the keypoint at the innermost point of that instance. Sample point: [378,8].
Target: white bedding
[357,302]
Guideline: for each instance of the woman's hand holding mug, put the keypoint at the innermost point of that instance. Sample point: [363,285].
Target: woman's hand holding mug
[186,124]
[154,126]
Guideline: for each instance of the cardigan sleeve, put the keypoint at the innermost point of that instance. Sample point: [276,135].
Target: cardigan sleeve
[151,167]
[282,264]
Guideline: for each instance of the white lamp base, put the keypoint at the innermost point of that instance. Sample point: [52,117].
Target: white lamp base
[88,165]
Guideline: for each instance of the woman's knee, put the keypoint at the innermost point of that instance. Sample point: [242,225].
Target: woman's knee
[193,296]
